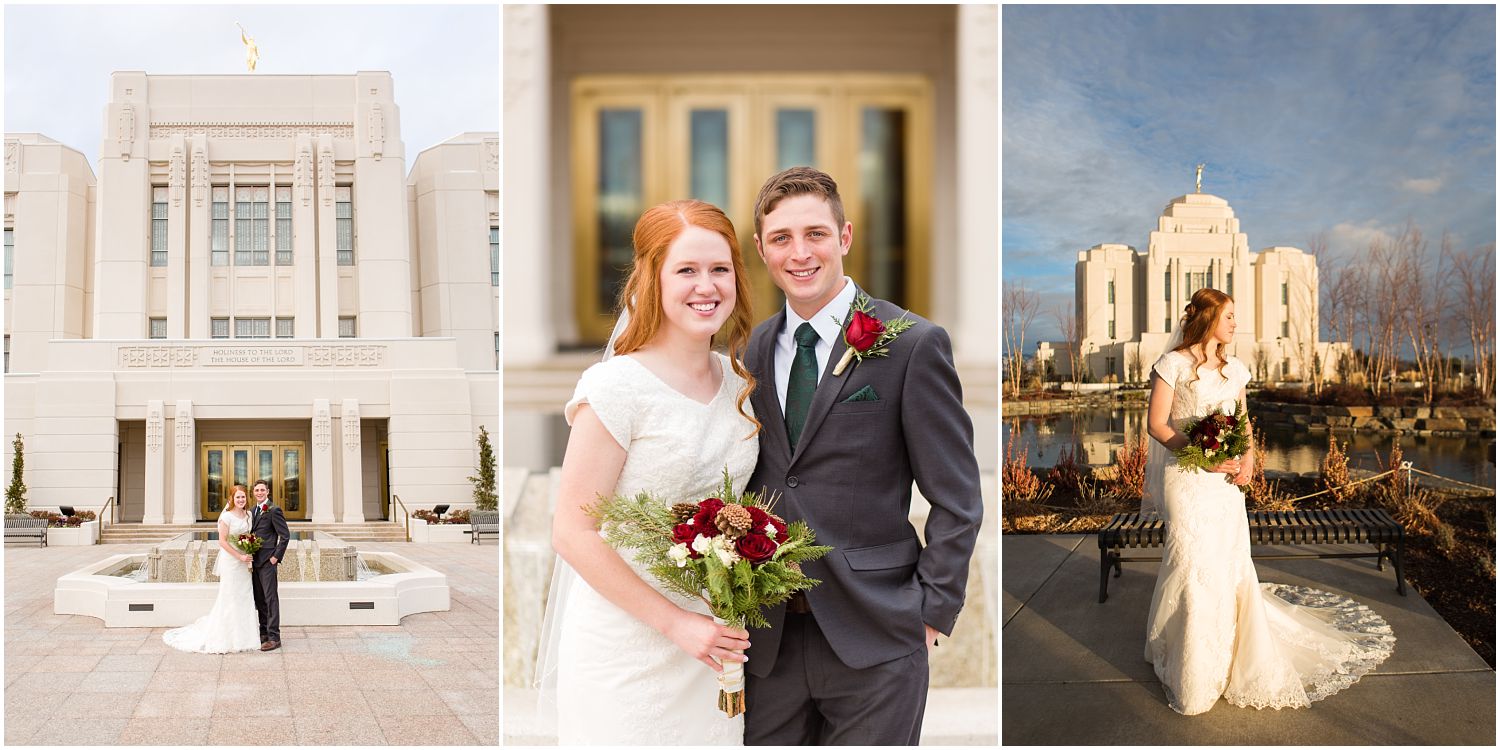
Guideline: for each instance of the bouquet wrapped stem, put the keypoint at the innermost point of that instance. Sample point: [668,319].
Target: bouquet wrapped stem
[731,551]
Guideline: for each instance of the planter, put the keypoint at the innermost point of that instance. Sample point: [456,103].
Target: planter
[85,534]
[441,533]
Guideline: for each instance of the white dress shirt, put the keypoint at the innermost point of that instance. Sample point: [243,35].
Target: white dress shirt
[828,322]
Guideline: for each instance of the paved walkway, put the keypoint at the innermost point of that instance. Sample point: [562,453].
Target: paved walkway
[433,680]
[1072,670]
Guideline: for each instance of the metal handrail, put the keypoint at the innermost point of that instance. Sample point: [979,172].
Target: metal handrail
[110,503]
[397,498]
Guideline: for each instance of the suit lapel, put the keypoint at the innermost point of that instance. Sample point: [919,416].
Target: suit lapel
[767,400]
[829,389]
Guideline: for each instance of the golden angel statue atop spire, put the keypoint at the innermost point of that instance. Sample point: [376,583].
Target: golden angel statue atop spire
[1200,178]
[252,52]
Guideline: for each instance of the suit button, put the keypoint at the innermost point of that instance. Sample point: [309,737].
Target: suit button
[791,481]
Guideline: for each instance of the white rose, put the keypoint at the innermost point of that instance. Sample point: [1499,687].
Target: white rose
[702,544]
[678,554]
[724,548]
[771,530]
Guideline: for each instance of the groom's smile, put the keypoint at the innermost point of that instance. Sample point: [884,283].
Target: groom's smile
[804,250]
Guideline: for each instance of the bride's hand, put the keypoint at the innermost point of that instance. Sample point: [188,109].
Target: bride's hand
[1229,466]
[704,639]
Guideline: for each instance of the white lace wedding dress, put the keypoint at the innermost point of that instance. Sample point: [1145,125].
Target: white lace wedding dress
[232,624]
[1214,630]
[620,682]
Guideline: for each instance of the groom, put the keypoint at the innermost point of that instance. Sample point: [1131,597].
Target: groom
[267,522]
[846,662]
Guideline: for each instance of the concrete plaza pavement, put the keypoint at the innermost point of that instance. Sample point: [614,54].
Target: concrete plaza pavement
[432,680]
[1072,669]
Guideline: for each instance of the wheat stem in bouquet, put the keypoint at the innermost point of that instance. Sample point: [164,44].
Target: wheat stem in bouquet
[731,551]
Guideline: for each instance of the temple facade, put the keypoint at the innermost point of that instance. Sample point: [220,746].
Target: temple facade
[252,285]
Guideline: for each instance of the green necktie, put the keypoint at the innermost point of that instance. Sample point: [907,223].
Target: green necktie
[804,380]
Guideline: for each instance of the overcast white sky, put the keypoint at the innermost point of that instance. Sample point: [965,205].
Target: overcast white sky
[444,59]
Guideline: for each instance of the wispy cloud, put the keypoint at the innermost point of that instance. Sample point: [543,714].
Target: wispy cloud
[1339,121]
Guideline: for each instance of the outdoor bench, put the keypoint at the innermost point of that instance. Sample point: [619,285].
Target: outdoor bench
[484,523]
[26,527]
[1340,526]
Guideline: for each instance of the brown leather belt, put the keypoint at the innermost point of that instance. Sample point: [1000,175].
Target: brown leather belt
[797,605]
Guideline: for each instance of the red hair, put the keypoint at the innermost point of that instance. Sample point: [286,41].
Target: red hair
[1199,319]
[655,231]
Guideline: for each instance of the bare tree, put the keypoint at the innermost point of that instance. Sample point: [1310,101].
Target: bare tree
[1474,280]
[1343,295]
[1067,323]
[1018,309]
[1381,312]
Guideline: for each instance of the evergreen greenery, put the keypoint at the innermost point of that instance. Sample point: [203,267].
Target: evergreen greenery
[15,494]
[485,497]
[1235,444]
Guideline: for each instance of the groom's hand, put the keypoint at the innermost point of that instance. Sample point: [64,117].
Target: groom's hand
[932,636]
[273,559]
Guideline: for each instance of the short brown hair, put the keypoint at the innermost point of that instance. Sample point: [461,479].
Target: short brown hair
[799,181]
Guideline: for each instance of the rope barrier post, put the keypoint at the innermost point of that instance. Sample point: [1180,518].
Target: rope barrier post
[1406,467]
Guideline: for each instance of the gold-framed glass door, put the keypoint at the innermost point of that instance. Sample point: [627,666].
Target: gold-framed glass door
[227,464]
[642,140]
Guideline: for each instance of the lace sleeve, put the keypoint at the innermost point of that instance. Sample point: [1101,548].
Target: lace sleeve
[601,388]
[1168,367]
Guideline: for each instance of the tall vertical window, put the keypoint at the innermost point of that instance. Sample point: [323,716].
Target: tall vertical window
[1166,324]
[346,328]
[158,328]
[10,254]
[1111,291]
[1283,292]
[7,347]
[343,216]
[283,225]
[1229,283]
[158,226]
[252,328]
[497,351]
[1284,330]
[219,231]
[1167,285]
[218,328]
[252,231]
[494,256]
[284,327]
[1111,329]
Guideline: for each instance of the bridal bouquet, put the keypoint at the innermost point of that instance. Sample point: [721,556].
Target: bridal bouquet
[1214,439]
[246,543]
[730,551]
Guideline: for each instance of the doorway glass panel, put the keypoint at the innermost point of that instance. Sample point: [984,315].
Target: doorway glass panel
[709,159]
[291,481]
[214,473]
[621,198]
[279,463]
[795,131]
[882,174]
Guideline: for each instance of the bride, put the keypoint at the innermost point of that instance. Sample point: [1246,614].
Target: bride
[1215,630]
[665,414]
[232,624]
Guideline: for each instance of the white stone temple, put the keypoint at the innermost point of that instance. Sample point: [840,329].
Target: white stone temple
[1128,302]
[259,283]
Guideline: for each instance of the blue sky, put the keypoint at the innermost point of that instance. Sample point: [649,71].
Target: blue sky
[444,59]
[1342,120]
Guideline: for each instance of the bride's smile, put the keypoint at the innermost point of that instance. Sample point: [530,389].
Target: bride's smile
[697,283]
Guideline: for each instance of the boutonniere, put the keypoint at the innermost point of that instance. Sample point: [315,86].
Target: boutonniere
[867,335]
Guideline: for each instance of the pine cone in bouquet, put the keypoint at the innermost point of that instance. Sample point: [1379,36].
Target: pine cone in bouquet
[683,512]
[733,520]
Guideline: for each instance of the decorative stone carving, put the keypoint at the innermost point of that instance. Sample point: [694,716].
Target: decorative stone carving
[154,427]
[322,427]
[176,174]
[200,175]
[158,356]
[345,356]
[325,174]
[257,130]
[184,426]
[12,161]
[376,126]
[302,174]
[190,355]
[351,425]
[492,154]
[125,130]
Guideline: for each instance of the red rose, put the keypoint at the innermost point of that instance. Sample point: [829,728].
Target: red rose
[683,534]
[703,520]
[757,548]
[863,331]
[758,518]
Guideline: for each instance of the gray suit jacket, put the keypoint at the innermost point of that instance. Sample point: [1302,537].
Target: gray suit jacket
[850,478]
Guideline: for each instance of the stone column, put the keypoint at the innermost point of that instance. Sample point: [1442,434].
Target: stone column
[304,245]
[200,230]
[320,500]
[525,244]
[156,463]
[383,273]
[976,334]
[123,213]
[177,213]
[350,461]
[327,255]
[185,466]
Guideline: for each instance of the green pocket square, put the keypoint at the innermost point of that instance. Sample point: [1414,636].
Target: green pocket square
[864,394]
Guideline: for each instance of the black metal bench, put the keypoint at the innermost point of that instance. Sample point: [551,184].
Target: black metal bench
[484,523]
[1340,526]
[26,527]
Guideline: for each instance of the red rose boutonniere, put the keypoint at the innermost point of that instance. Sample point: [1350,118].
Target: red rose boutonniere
[867,335]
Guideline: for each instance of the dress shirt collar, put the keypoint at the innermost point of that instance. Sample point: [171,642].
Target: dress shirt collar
[829,321]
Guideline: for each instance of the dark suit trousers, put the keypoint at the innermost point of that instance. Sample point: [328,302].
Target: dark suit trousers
[812,698]
[267,601]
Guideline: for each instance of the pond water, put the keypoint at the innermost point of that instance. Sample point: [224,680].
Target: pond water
[1096,433]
